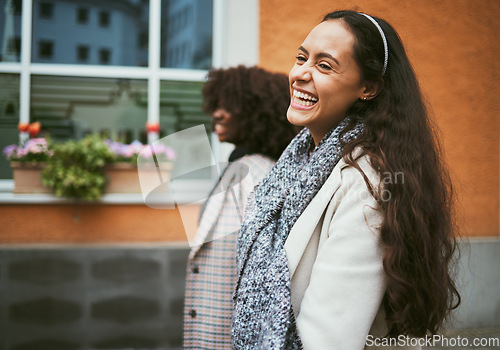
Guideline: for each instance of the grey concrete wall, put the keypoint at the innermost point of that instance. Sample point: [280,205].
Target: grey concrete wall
[479,284]
[91,298]
[106,297]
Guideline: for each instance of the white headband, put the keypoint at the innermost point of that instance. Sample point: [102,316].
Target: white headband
[386,49]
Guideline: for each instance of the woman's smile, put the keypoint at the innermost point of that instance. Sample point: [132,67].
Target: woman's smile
[303,100]
[219,128]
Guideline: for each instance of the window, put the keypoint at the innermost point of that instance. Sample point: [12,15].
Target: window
[16,44]
[10,30]
[18,7]
[9,117]
[82,53]
[92,22]
[46,10]
[187,26]
[9,109]
[104,19]
[143,40]
[104,56]
[12,50]
[82,16]
[128,89]
[45,49]
[79,106]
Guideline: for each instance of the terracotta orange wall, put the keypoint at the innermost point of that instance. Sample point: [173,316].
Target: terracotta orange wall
[455,51]
[93,223]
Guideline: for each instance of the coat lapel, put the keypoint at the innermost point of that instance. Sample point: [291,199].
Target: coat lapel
[214,205]
[304,227]
[302,230]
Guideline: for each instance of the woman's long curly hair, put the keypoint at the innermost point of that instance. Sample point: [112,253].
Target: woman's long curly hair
[258,100]
[417,230]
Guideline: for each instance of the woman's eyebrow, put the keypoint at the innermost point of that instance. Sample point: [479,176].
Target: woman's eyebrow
[320,55]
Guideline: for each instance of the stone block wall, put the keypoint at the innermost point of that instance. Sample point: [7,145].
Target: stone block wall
[91,298]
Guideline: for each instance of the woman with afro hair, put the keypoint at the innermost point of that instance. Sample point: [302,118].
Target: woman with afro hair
[248,106]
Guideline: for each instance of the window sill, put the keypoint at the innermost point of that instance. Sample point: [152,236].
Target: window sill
[186,192]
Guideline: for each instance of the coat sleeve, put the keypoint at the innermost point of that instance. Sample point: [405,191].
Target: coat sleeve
[347,281]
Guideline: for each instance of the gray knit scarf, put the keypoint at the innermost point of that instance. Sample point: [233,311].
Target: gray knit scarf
[263,316]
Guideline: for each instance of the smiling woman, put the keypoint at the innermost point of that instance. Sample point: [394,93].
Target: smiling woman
[330,252]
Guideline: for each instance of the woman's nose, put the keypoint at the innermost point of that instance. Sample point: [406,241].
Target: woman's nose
[301,72]
[218,113]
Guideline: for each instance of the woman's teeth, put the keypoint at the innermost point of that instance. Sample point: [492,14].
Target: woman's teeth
[304,99]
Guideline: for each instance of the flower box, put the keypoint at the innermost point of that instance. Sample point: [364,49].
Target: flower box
[124,177]
[87,168]
[27,178]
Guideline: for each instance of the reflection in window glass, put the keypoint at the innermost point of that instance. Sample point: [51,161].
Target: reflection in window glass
[111,24]
[82,53]
[45,49]
[10,30]
[82,16]
[9,117]
[46,10]
[72,107]
[104,19]
[104,56]
[186,40]
[181,108]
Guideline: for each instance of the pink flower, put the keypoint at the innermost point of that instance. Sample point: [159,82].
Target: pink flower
[136,148]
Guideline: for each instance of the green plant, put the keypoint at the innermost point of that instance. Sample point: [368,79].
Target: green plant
[76,168]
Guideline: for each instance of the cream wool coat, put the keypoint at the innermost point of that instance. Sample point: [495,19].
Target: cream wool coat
[335,261]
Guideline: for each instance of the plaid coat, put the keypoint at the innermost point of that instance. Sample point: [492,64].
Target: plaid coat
[211,268]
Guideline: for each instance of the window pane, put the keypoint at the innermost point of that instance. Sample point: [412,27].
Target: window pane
[45,49]
[180,108]
[82,15]
[115,26]
[186,34]
[82,52]
[104,19]
[9,117]
[46,10]
[104,56]
[10,30]
[72,107]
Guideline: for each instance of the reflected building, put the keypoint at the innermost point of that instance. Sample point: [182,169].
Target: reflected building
[111,32]
[187,41]
[10,30]
[106,33]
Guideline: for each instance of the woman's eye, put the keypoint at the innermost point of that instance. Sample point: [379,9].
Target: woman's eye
[324,66]
[301,58]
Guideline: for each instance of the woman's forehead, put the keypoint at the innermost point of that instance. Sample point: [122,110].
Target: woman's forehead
[331,35]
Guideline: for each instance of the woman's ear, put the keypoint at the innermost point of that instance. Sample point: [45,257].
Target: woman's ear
[371,89]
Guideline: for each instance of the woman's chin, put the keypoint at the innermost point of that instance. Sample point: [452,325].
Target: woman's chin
[295,117]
